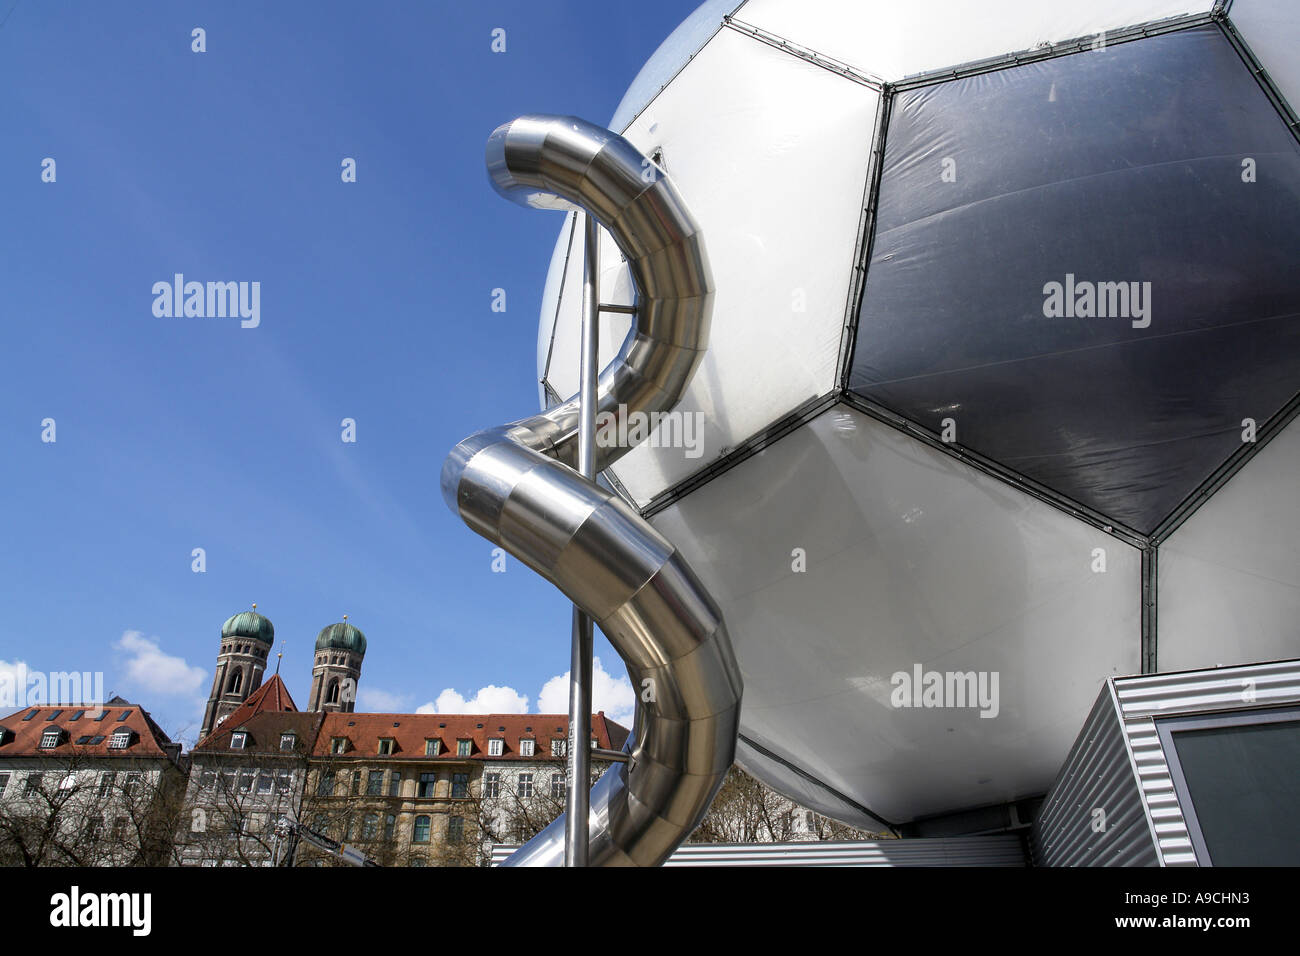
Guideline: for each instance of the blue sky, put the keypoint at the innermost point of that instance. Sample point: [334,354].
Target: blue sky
[182,433]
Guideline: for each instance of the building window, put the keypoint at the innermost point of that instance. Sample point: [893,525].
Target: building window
[370,826]
[32,713]
[52,715]
[237,740]
[375,783]
[246,781]
[130,783]
[395,783]
[227,781]
[119,829]
[33,783]
[333,696]
[283,778]
[526,746]
[390,825]
[338,745]
[325,785]
[463,748]
[106,782]
[428,781]
[418,861]
[557,786]
[559,746]
[77,716]
[287,741]
[495,746]
[432,747]
[4,783]
[264,780]
[421,832]
[525,785]
[356,782]
[207,779]
[50,739]
[491,785]
[386,746]
[459,786]
[120,740]
[94,826]
[455,829]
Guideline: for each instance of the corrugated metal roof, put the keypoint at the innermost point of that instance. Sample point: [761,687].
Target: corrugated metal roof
[997,850]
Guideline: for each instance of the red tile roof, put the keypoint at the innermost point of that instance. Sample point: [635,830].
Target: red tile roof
[269,699]
[410,731]
[147,738]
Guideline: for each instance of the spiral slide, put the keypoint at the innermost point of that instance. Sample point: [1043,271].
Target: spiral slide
[516,486]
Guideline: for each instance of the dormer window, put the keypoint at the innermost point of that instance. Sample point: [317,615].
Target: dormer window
[593,743]
[432,747]
[6,735]
[120,740]
[287,741]
[463,747]
[51,738]
[559,747]
[526,746]
[338,745]
[237,740]
[386,746]
[495,747]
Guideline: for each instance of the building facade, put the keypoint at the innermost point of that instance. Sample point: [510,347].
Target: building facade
[88,785]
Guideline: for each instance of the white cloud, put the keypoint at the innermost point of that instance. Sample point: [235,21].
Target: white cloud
[611,694]
[376,701]
[148,667]
[486,700]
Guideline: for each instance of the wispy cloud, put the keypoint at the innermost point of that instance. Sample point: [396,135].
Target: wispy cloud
[149,668]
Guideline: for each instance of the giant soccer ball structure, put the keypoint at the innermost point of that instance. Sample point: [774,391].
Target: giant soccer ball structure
[1004,356]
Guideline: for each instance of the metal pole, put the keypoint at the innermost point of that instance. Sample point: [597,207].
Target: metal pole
[578,792]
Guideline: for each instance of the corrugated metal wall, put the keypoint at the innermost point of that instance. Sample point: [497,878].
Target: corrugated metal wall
[1094,814]
[999,850]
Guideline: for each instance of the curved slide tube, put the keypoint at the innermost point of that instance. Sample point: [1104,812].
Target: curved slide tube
[515,485]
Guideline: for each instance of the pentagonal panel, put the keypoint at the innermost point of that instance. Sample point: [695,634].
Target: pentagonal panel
[898,39]
[847,553]
[1086,264]
[771,153]
[1230,576]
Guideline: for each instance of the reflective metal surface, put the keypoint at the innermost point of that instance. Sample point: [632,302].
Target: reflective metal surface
[516,485]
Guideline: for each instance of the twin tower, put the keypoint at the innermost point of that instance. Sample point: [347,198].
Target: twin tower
[246,643]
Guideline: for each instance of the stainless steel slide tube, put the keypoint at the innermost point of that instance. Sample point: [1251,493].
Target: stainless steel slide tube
[516,485]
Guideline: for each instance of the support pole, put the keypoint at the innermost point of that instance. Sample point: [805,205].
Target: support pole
[578,772]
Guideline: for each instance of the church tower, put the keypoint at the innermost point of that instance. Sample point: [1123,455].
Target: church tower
[337,668]
[246,640]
